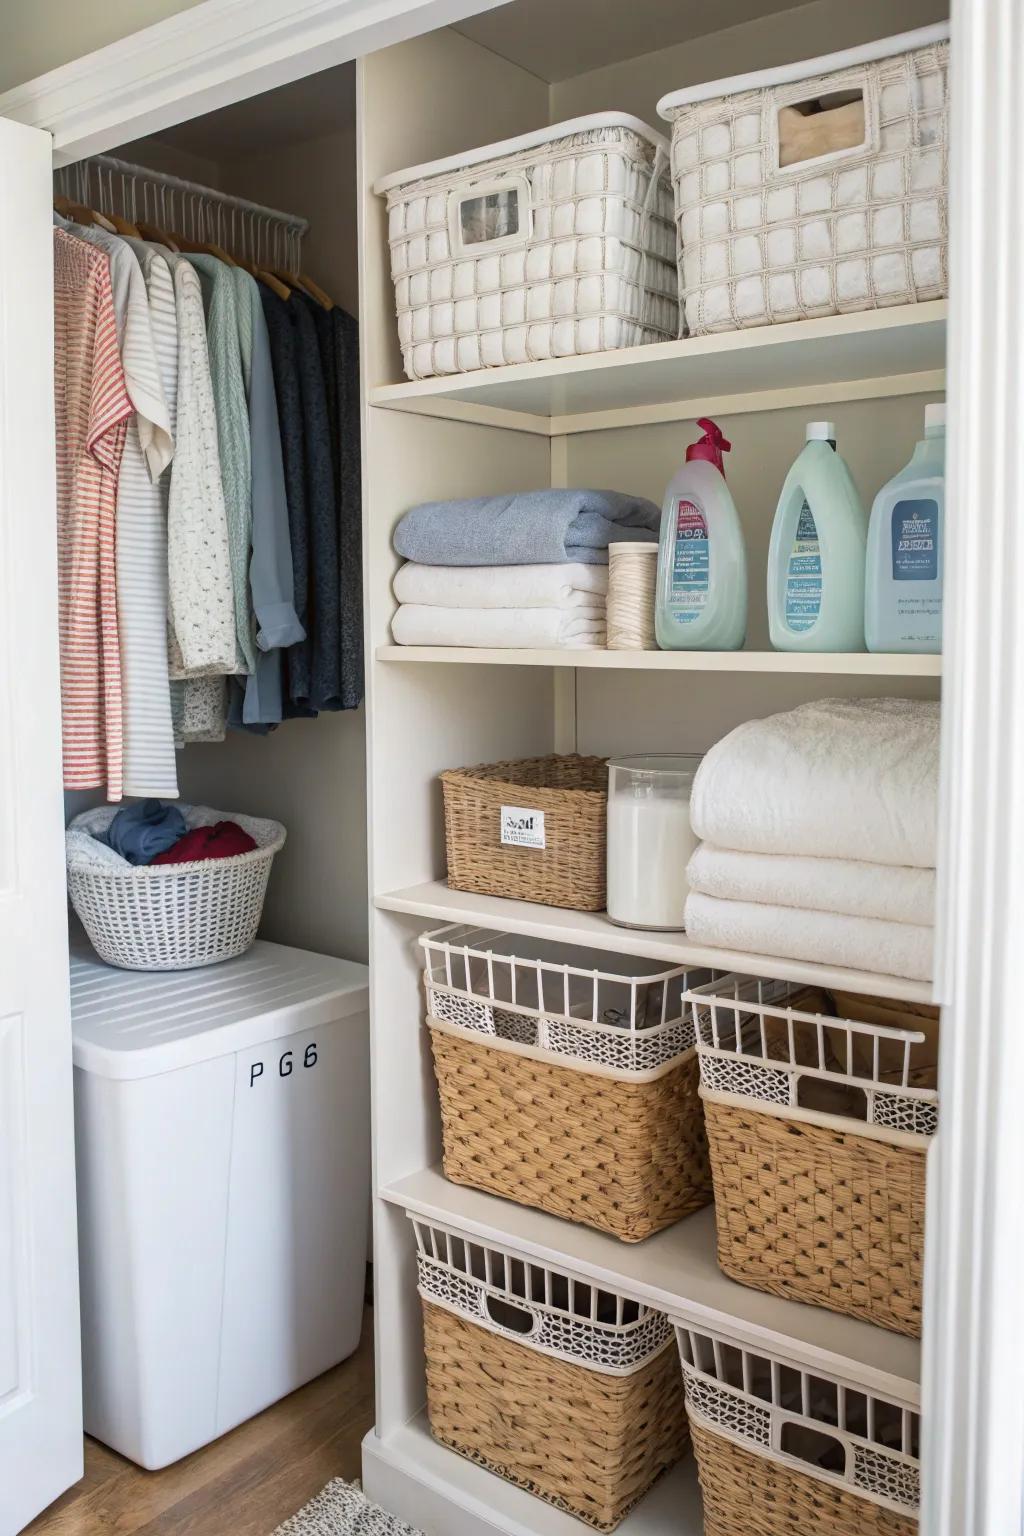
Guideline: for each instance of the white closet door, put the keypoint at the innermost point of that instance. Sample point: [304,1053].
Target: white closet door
[40,1370]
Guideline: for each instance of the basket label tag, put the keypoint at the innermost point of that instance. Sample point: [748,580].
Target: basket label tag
[522,828]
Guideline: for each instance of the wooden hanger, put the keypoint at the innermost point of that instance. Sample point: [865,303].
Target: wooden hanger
[305,285]
[157,236]
[78,212]
[205,248]
[124,227]
[272,282]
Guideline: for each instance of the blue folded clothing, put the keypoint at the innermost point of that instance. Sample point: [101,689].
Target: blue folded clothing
[526,528]
[139,832]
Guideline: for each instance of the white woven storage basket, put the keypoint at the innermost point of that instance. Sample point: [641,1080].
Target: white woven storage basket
[821,1446]
[624,1018]
[536,1305]
[173,917]
[555,243]
[853,228]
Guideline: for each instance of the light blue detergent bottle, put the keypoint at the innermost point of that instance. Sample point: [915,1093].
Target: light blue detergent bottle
[701,603]
[816,554]
[903,591]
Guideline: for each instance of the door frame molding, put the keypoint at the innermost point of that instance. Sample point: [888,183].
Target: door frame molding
[210,56]
[974,1344]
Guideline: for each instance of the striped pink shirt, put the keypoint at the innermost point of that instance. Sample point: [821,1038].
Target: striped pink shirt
[92,412]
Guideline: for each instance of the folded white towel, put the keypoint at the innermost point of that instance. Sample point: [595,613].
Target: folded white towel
[829,938]
[500,628]
[501,586]
[851,886]
[840,779]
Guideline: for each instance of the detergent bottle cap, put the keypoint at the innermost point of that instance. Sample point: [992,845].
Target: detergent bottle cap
[934,420]
[821,432]
[711,446]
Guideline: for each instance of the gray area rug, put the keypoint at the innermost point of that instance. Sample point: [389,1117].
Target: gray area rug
[342,1509]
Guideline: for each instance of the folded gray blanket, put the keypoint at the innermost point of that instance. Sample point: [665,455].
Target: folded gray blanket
[526,528]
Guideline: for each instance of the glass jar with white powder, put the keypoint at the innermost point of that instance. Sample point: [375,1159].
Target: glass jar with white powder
[649,839]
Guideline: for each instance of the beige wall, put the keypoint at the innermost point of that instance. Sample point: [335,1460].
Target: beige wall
[802,33]
[38,35]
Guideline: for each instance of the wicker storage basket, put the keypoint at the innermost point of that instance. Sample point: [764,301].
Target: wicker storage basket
[818,1128]
[782,1450]
[173,917]
[535,830]
[548,245]
[571,1392]
[770,231]
[573,1090]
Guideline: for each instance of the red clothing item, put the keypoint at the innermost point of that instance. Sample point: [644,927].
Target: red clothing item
[222,841]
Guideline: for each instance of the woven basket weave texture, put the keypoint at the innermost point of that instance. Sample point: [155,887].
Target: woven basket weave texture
[572,792]
[590,267]
[628,1158]
[173,917]
[591,1444]
[819,1215]
[750,1495]
[850,231]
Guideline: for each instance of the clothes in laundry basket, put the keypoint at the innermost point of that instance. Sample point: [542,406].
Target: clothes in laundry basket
[224,840]
[141,831]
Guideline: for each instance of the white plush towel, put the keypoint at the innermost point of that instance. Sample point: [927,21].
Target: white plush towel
[888,891]
[501,586]
[829,938]
[837,779]
[500,628]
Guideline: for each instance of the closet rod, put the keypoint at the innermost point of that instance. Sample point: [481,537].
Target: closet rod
[195,189]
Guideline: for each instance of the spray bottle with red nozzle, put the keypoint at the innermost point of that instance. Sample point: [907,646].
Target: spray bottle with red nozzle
[701,602]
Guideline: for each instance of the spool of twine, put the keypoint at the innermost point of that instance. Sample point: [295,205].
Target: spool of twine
[632,576]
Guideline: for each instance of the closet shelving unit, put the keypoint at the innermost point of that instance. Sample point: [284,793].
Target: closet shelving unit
[617,419]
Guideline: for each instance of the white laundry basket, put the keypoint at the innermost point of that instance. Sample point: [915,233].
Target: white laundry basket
[859,226]
[172,917]
[554,243]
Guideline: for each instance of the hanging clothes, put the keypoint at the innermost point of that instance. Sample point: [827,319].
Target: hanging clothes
[93,407]
[284,354]
[349,495]
[149,761]
[271,578]
[221,307]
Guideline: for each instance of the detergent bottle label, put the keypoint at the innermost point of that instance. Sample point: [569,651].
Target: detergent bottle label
[803,574]
[915,550]
[691,565]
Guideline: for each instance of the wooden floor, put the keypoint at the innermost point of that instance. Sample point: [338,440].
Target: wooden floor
[244,1484]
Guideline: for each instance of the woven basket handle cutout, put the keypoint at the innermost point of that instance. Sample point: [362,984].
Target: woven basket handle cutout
[514,1319]
[823,141]
[820,1450]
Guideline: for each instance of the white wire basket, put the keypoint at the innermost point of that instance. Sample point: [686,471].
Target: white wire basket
[535,1304]
[551,244]
[770,1435]
[857,220]
[753,1045]
[172,917]
[621,1016]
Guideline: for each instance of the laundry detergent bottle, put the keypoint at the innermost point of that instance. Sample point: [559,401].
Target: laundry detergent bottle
[903,589]
[701,602]
[816,554]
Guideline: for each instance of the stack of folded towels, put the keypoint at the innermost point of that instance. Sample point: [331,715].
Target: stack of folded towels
[527,570]
[819,830]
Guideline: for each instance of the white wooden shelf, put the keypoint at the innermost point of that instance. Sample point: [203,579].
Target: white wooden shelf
[872,354]
[677,1272]
[593,930]
[404,1470]
[856,664]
